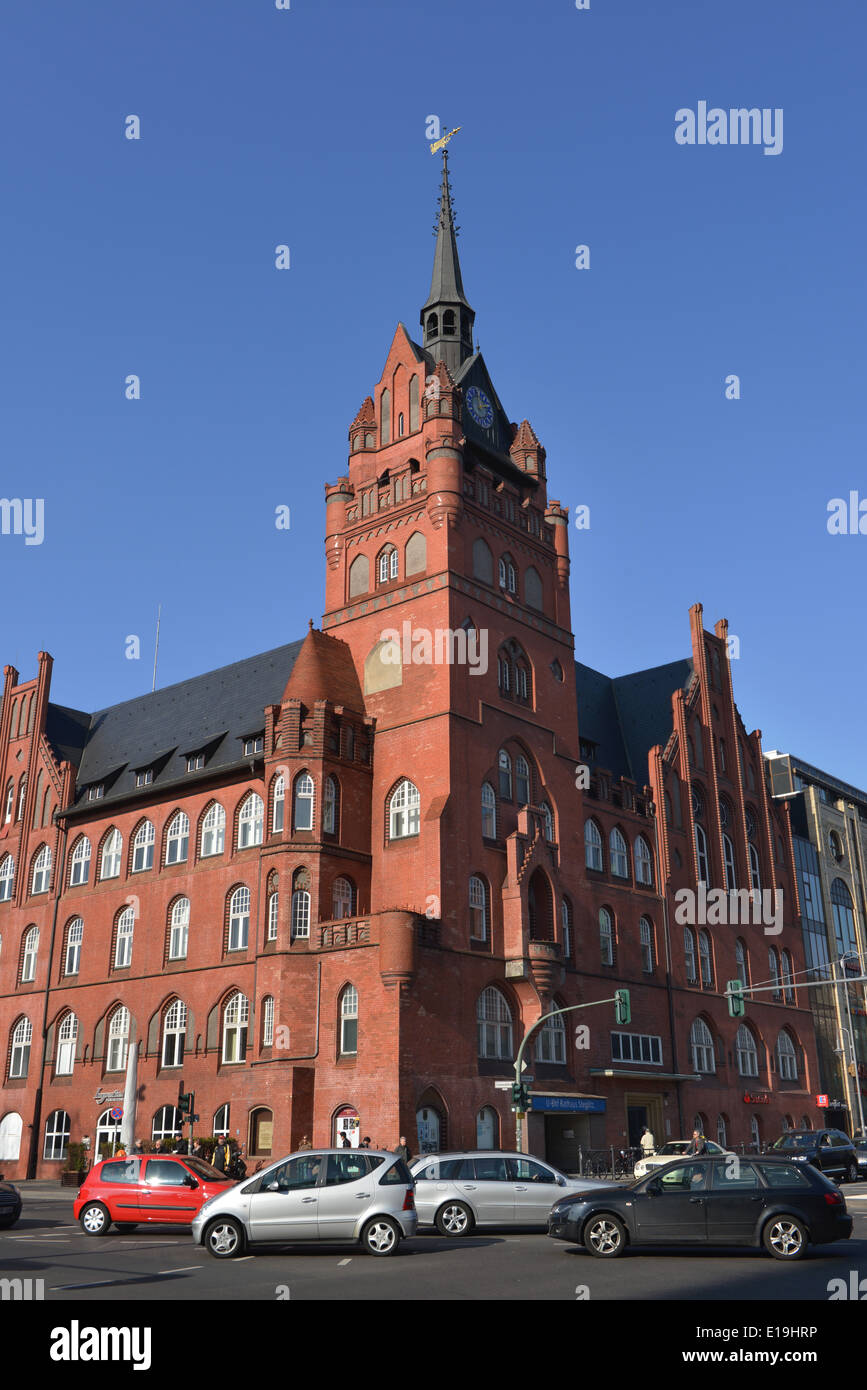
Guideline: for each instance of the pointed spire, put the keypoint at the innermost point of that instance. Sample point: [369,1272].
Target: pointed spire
[446,316]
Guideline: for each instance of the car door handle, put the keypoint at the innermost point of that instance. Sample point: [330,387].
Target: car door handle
[519,1187]
[697,1200]
[360,1196]
[468,1187]
[310,1199]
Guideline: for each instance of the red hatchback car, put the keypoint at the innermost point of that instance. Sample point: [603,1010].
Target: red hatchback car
[151,1188]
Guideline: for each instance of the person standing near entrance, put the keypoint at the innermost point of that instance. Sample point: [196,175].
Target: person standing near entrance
[648,1143]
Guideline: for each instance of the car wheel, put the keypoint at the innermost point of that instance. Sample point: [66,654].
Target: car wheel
[381,1236]
[95,1219]
[605,1236]
[127,1225]
[785,1238]
[852,1174]
[224,1238]
[4,1225]
[454,1219]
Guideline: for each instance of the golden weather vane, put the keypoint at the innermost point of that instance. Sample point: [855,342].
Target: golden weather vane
[441,144]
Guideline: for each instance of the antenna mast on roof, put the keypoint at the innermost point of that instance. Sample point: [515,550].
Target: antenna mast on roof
[157,647]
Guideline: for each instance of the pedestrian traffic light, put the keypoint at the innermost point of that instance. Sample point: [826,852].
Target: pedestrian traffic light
[527,1101]
[622,1009]
[735,994]
[517,1091]
[185,1102]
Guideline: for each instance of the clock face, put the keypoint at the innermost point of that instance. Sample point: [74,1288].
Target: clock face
[480,407]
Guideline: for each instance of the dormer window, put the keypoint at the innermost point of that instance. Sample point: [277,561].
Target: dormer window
[254,745]
[96,792]
[144,777]
[195,761]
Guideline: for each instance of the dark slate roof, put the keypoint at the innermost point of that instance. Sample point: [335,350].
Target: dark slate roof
[213,710]
[625,716]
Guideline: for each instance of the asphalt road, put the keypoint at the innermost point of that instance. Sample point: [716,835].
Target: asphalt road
[163,1264]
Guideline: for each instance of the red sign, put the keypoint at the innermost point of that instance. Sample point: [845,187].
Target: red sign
[761,1099]
[822,1102]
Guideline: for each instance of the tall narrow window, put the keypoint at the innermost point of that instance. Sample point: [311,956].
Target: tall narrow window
[236,1020]
[701,854]
[741,961]
[29,953]
[178,839]
[701,1044]
[606,936]
[74,937]
[494,1023]
[7,878]
[41,871]
[645,933]
[174,1034]
[755,875]
[112,853]
[729,859]
[301,905]
[268,1021]
[592,846]
[118,1040]
[123,941]
[522,781]
[67,1038]
[304,793]
[342,898]
[504,769]
[279,802]
[143,848]
[689,956]
[239,919]
[478,909]
[179,931]
[251,822]
[774,967]
[214,831]
[489,812]
[349,1021]
[9,801]
[704,952]
[273,916]
[79,869]
[566,923]
[19,1062]
[329,807]
[788,978]
[619,855]
[404,811]
[643,861]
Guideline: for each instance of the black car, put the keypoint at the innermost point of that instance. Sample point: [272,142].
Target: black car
[861,1157]
[770,1201]
[10,1203]
[829,1150]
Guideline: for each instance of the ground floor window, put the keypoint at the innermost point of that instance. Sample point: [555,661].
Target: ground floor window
[56,1135]
[487,1128]
[261,1132]
[166,1123]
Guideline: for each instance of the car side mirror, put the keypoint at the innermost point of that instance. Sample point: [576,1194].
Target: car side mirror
[561,1182]
[190,1181]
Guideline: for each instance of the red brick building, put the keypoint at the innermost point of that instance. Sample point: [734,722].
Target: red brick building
[332,886]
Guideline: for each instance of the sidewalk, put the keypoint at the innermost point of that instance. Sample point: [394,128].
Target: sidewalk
[43,1190]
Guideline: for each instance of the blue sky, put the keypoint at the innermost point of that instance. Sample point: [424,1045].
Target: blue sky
[307,127]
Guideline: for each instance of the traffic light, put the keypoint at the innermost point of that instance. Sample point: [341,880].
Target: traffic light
[521,1097]
[737,1003]
[622,1009]
[186,1101]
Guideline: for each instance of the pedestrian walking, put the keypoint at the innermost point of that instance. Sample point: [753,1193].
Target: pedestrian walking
[698,1145]
[219,1159]
[402,1148]
[365,1143]
[647,1142]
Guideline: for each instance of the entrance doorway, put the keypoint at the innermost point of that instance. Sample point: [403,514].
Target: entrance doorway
[487,1128]
[644,1110]
[428,1125]
[10,1137]
[347,1125]
[108,1133]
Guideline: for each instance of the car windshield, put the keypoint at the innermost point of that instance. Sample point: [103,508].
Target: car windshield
[204,1170]
[795,1141]
[675,1146]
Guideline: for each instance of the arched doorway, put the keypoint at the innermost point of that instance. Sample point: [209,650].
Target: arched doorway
[540,908]
[487,1128]
[261,1132]
[10,1137]
[107,1132]
[347,1125]
[427,1121]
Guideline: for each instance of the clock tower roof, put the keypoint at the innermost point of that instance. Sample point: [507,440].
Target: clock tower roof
[446,316]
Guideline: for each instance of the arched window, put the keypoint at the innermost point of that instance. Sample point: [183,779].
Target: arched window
[304,795]
[273,916]
[179,930]
[214,831]
[566,924]
[504,773]
[7,878]
[592,846]
[606,936]
[483,562]
[41,871]
[508,574]
[494,1020]
[701,1045]
[251,822]
[522,781]
[174,1034]
[387,565]
[279,797]
[755,875]
[72,955]
[385,417]
[56,1135]
[143,848]
[112,853]
[404,811]
[178,839]
[706,959]
[689,956]
[747,1053]
[643,861]
[29,952]
[548,821]
[787,1059]
[268,1021]
[19,1061]
[540,907]
[844,919]
[348,1021]
[478,908]
[774,967]
[123,939]
[79,863]
[721,1132]
[9,801]
[221,1121]
[239,919]
[788,977]
[236,1020]
[645,936]
[118,1040]
[489,812]
[741,961]
[300,905]
[729,859]
[487,1128]
[342,898]
[166,1123]
[359,576]
[533,588]
[701,854]
[619,855]
[551,1041]
[330,800]
[67,1038]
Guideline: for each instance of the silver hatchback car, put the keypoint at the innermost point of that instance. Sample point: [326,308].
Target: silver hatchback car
[340,1195]
[457,1191]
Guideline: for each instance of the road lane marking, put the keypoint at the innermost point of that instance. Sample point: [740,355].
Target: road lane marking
[183,1269]
[340,1263]
[241,1259]
[95,1284]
